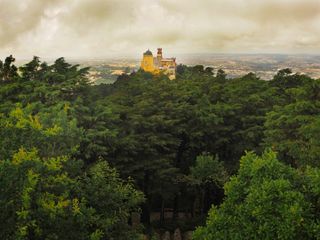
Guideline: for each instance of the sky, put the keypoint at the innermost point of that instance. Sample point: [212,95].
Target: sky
[99,29]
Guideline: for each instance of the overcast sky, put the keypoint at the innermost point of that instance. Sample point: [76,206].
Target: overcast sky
[121,28]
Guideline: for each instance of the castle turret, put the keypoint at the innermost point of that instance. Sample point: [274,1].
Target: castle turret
[159,54]
[147,61]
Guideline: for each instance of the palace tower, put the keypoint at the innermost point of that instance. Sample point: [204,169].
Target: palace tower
[159,64]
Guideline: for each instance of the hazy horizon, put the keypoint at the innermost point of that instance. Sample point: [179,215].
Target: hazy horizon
[180,56]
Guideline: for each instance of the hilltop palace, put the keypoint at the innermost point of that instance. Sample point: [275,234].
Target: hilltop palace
[159,64]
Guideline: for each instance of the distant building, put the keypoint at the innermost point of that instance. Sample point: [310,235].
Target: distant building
[159,64]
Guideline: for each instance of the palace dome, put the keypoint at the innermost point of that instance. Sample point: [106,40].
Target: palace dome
[148,52]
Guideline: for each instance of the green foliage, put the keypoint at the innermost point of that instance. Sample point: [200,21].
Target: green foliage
[45,190]
[35,194]
[153,131]
[52,131]
[8,71]
[293,129]
[221,75]
[113,201]
[40,200]
[208,170]
[207,177]
[266,200]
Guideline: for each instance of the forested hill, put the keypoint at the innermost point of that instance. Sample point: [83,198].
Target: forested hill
[76,160]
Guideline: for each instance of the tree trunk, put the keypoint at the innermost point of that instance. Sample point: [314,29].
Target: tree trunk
[175,207]
[207,200]
[193,207]
[162,211]
[202,204]
[177,164]
[145,217]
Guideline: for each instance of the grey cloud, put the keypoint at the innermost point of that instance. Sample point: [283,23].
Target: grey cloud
[122,27]
[98,15]
[19,17]
[282,15]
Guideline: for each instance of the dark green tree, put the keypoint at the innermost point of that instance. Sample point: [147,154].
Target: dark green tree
[292,129]
[8,71]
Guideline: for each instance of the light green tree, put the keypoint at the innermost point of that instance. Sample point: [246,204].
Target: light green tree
[40,199]
[266,200]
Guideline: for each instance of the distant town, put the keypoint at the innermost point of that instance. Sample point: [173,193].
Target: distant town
[235,65]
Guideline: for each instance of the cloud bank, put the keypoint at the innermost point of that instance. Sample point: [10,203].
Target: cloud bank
[121,28]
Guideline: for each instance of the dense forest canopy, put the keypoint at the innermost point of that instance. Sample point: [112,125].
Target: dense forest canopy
[78,160]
